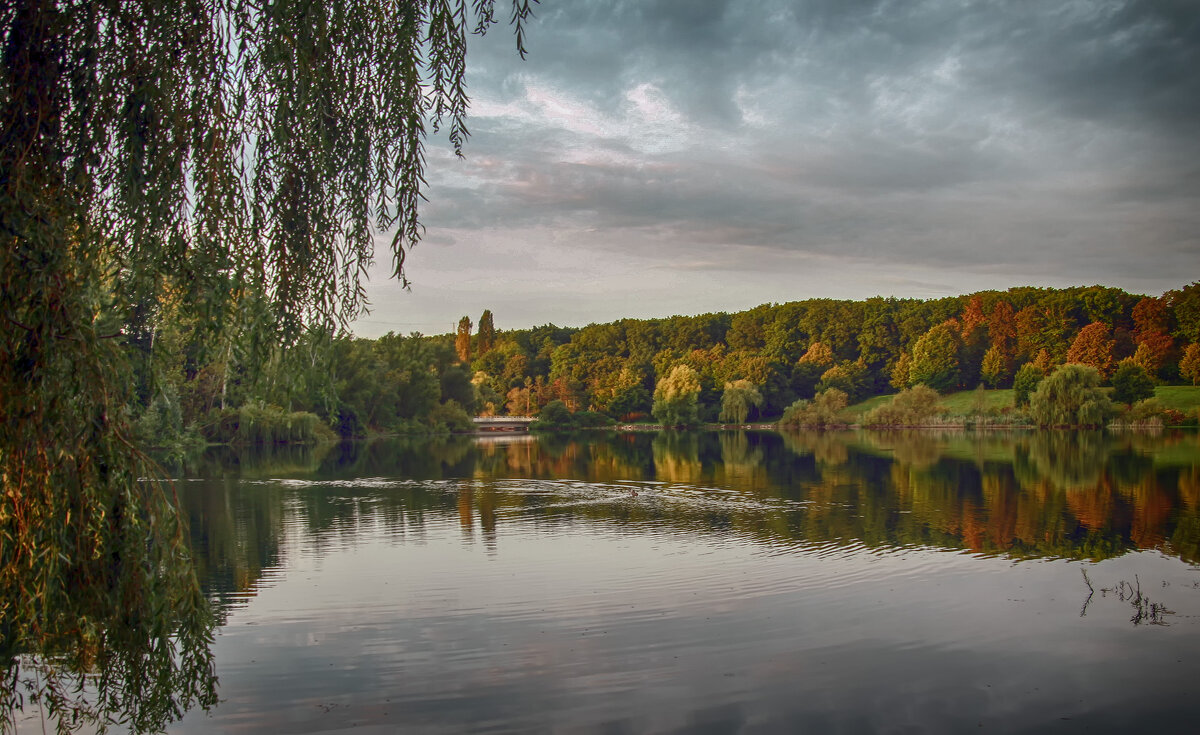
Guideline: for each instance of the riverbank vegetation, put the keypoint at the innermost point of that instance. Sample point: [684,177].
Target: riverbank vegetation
[985,355]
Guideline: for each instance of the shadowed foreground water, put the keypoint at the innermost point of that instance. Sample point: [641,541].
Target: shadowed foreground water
[705,583]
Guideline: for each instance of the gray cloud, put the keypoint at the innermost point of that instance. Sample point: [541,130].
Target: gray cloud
[1008,143]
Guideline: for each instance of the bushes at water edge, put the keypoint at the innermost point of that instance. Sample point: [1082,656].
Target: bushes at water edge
[819,413]
[258,423]
[555,416]
[915,406]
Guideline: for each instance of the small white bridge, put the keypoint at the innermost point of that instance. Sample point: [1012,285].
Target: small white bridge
[503,423]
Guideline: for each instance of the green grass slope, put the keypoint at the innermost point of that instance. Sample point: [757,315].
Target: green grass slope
[1183,398]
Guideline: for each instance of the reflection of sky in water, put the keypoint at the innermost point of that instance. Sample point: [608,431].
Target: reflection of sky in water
[557,622]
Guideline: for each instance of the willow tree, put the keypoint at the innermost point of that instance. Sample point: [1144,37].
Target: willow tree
[737,399]
[1071,397]
[215,152]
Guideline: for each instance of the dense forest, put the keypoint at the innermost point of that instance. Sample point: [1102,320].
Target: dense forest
[189,379]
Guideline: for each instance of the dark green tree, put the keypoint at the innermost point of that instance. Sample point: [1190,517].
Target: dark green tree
[487,332]
[1131,383]
[554,415]
[935,358]
[1185,306]
[456,386]
[1026,382]
[632,400]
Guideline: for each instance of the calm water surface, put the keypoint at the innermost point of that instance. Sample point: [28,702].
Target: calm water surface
[736,582]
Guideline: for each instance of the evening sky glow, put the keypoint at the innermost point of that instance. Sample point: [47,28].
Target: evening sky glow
[691,156]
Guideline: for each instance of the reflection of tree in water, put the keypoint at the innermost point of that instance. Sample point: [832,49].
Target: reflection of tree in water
[1093,508]
[1152,509]
[101,616]
[677,457]
[915,449]
[1189,488]
[1067,460]
[741,466]
[984,492]
[406,456]
[256,462]
[628,457]
[829,448]
[1186,538]
[234,536]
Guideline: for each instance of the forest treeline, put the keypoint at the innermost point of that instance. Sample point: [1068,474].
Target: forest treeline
[777,353]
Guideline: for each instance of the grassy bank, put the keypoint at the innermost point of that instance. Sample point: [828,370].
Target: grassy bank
[1182,398]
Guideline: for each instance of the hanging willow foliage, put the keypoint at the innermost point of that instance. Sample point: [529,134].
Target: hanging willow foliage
[206,153]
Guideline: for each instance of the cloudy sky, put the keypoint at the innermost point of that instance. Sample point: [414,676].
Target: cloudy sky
[658,157]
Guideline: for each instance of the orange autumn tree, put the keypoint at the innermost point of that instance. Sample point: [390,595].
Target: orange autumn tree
[1028,326]
[997,367]
[1093,346]
[818,353]
[1154,344]
[1002,327]
[972,317]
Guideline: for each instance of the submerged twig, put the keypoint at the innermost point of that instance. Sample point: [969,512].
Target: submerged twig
[1091,593]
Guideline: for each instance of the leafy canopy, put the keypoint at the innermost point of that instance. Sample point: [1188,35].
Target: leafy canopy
[1131,383]
[676,397]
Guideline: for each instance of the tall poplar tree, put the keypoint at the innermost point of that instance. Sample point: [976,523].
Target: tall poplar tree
[462,340]
[487,332]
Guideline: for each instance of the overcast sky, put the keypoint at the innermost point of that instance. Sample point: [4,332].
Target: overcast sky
[658,157]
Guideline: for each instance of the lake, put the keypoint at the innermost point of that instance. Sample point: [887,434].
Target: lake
[704,583]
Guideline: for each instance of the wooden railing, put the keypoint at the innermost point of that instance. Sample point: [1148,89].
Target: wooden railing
[502,423]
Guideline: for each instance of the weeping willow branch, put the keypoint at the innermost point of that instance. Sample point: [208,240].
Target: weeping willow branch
[209,154]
